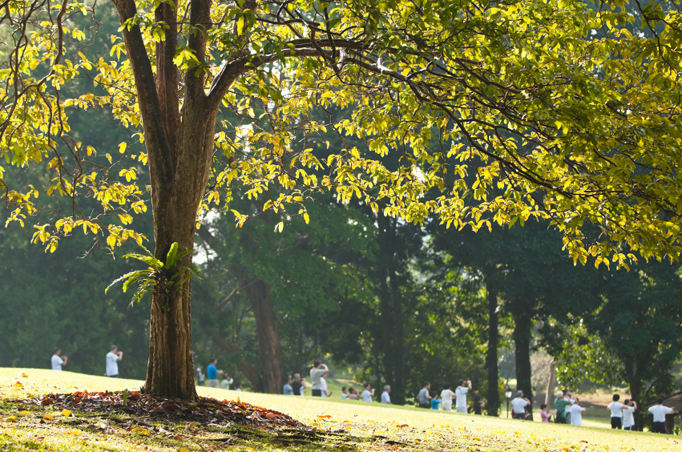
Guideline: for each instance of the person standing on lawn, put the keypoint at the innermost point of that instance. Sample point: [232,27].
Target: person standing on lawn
[435,403]
[463,386]
[58,361]
[298,385]
[446,396]
[659,411]
[316,374]
[112,358]
[616,412]
[576,413]
[544,413]
[478,405]
[519,404]
[212,373]
[368,393]
[629,407]
[560,403]
[424,397]
[385,397]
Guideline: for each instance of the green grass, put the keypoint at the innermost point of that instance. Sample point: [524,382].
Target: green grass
[371,425]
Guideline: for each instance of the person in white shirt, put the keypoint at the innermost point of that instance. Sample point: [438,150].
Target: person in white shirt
[576,413]
[519,406]
[113,357]
[227,381]
[446,396]
[344,393]
[316,373]
[385,397]
[629,407]
[58,361]
[616,412]
[323,386]
[461,392]
[367,393]
[659,411]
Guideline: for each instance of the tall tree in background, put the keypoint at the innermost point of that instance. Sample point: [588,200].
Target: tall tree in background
[552,116]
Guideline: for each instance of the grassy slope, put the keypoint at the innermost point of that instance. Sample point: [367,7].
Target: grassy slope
[443,430]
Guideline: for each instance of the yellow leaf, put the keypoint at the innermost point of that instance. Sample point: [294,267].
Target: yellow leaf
[12,419]
[66,413]
[122,147]
[18,384]
[140,430]
[47,417]
[24,375]
[24,413]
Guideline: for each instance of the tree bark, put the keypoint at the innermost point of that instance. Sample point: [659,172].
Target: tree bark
[493,402]
[522,335]
[267,330]
[550,383]
[635,384]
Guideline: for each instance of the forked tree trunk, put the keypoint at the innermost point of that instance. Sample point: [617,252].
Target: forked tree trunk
[267,330]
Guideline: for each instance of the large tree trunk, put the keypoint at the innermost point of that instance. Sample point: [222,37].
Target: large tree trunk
[391,308]
[179,147]
[267,330]
[522,335]
[493,402]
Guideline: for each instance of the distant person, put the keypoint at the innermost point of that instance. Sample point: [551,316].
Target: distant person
[238,387]
[435,403]
[385,397]
[519,404]
[287,389]
[659,411]
[323,384]
[368,393]
[226,382]
[353,394]
[298,385]
[560,403]
[629,407]
[201,378]
[344,392]
[544,413]
[58,361]
[113,357]
[212,373]
[446,396]
[424,397]
[316,373]
[616,412]
[576,413]
[478,405]
[463,386]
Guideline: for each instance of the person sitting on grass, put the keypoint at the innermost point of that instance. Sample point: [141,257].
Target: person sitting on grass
[238,387]
[616,412]
[519,404]
[577,413]
[287,389]
[435,403]
[628,414]
[353,394]
[544,413]
[659,411]
[344,393]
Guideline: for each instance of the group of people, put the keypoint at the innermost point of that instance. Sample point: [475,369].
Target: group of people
[214,376]
[432,400]
[111,361]
[296,385]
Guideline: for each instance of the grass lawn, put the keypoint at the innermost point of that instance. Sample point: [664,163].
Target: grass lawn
[357,425]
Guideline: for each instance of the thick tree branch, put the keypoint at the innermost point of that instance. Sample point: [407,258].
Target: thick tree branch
[148,100]
[200,19]
[167,75]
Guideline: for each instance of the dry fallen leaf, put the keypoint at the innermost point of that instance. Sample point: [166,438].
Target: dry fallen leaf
[66,413]
[24,413]
[140,430]
[402,425]
[18,384]
[12,419]
[24,376]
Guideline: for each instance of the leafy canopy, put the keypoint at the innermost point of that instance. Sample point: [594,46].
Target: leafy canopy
[532,111]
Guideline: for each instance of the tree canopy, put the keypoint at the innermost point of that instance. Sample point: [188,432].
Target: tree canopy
[532,112]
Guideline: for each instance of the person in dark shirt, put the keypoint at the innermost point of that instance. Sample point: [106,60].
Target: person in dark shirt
[297,385]
[478,404]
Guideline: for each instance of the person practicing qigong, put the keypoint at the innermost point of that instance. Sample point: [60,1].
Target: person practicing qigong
[113,357]
[316,374]
[58,361]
